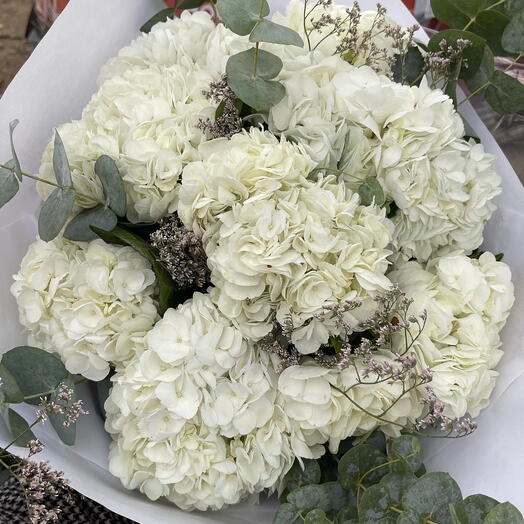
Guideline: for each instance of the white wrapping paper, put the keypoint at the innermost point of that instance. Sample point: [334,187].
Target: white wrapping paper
[52,88]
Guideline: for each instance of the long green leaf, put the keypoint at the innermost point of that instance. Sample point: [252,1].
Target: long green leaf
[55,212]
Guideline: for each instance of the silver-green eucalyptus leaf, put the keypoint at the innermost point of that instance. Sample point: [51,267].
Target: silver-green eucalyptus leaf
[55,212]
[108,173]
[371,192]
[505,94]
[16,162]
[8,184]
[18,427]
[79,228]
[241,16]
[513,36]
[61,163]
[67,433]
[504,513]
[267,31]
[268,64]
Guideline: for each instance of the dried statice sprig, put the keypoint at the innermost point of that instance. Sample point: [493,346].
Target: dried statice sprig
[440,64]
[40,483]
[61,403]
[277,342]
[228,122]
[182,253]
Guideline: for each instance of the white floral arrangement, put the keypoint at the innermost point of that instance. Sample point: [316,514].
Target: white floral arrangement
[266,239]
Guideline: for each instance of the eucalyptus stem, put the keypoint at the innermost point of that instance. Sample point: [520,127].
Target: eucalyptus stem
[50,392]
[474,19]
[13,442]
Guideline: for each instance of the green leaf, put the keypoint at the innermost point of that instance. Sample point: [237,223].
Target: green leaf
[474,508]
[431,495]
[268,64]
[18,427]
[255,90]
[190,4]
[347,513]
[457,13]
[485,71]
[55,212]
[310,497]
[513,7]
[513,36]
[338,497]
[504,513]
[301,476]
[79,228]
[374,503]
[267,31]
[397,483]
[108,173]
[162,16]
[61,163]
[408,449]
[505,94]
[371,192]
[316,516]
[10,389]
[16,162]
[357,462]
[473,54]
[286,514]
[410,517]
[67,434]
[103,389]
[408,68]
[167,288]
[8,184]
[241,15]
[490,25]
[35,371]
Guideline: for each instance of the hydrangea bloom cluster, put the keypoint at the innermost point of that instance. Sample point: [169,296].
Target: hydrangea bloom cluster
[275,238]
[196,416]
[91,303]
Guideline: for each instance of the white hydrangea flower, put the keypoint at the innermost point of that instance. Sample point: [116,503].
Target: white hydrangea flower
[145,113]
[196,417]
[468,302]
[91,303]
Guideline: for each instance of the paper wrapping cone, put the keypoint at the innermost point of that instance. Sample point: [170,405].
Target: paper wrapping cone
[52,88]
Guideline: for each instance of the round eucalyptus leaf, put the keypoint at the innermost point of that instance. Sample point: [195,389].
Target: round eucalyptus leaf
[431,495]
[505,94]
[267,31]
[35,371]
[408,68]
[357,462]
[8,184]
[161,16]
[474,508]
[108,173]
[410,517]
[286,514]
[61,163]
[79,228]
[16,162]
[310,497]
[371,192]
[347,513]
[316,516]
[504,514]
[8,386]
[55,212]
[257,93]
[268,64]
[338,496]
[241,15]
[473,54]
[408,449]
[490,25]
[301,475]
[457,13]
[397,483]
[513,7]
[485,71]
[513,36]
[374,503]
[17,426]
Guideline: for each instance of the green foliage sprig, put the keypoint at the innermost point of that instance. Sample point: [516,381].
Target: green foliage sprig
[377,482]
[57,209]
[251,74]
[495,28]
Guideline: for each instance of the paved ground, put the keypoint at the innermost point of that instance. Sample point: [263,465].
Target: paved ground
[14,49]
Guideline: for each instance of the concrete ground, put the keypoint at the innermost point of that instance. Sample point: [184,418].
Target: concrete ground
[14,49]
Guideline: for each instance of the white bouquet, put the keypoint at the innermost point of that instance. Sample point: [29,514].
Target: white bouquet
[262,240]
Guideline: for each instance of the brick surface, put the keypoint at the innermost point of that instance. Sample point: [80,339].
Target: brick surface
[14,15]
